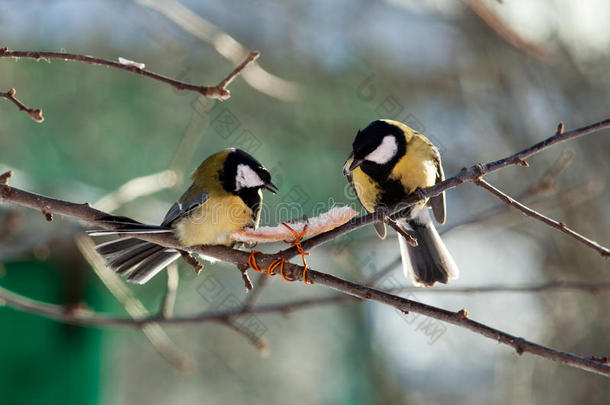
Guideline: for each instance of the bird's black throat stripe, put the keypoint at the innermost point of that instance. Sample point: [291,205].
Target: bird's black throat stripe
[253,199]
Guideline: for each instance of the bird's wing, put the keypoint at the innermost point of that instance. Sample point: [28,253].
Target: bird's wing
[190,201]
[379,226]
[437,203]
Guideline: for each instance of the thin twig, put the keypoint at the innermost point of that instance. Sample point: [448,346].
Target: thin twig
[258,342]
[546,184]
[169,300]
[410,239]
[539,51]
[605,252]
[191,261]
[135,188]
[219,91]
[34,113]
[262,281]
[134,307]
[132,189]
[243,269]
[85,317]
[225,45]
[559,285]
[249,59]
[375,278]
[548,180]
[594,288]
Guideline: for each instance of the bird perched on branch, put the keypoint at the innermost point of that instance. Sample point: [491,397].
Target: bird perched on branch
[225,196]
[389,161]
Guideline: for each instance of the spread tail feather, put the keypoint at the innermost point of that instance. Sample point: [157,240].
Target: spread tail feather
[126,225]
[143,260]
[429,262]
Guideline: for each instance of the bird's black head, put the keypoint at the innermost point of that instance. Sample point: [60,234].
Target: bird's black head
[377,148]
[242,173]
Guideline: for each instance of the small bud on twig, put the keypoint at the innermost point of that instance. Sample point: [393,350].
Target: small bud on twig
[560,128]
[5,176]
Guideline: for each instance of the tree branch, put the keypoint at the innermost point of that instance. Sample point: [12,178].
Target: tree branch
[34,113]
[459,318]
[219,91]
[136,188]
[546,184]
[86,213]
[225,45]
[536,50]
[134,307]
[169,299]
[258,342]
[605,252]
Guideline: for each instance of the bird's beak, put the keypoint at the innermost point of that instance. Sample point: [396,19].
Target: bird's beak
[355,164]
[271,187]
[351,164]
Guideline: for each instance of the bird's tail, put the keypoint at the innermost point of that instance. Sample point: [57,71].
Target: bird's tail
[140,259]
[430,261]
[124,225]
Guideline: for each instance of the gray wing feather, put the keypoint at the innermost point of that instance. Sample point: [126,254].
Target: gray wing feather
[437,203]
[179,210]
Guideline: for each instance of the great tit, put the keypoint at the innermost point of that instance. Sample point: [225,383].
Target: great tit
[388,162]
[225,196]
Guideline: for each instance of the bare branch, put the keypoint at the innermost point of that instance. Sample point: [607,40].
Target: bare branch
[134,307]
[219,91]
[258,342]
[539,51]
[546,184]
[594,288]
[191,261]
[372,281]
[225,45]
[410,239]
[295,272]
[459,318]
[262,281]
[549,179]
[252,56]
[34,113]
[135,188]
[169,300]
[605,252]
[559,285]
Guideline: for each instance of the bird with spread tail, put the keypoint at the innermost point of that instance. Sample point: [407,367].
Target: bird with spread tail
[226,195]
[389,161]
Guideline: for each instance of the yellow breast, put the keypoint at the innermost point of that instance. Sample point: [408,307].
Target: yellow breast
[212,223]
[418,167]
[367,190]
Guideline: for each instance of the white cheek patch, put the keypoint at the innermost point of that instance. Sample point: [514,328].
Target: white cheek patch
[247,178]
[384,152]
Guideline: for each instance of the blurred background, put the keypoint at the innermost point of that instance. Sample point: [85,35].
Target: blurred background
[482,79]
